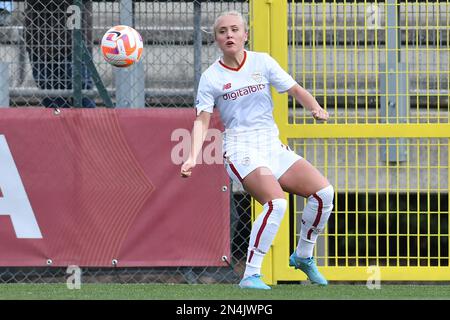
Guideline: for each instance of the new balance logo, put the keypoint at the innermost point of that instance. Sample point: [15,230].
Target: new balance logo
[227,86]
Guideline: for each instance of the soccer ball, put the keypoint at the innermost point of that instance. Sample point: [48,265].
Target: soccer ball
[122,46]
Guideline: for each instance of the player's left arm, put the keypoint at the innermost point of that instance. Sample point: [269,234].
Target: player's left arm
[308,101]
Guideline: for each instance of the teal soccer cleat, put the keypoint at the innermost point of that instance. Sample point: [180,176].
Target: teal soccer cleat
[253,282]
[308,266]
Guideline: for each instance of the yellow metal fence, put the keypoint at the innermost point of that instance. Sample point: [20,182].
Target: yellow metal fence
[382,71]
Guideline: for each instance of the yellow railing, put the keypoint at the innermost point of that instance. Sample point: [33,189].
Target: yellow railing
[386,146]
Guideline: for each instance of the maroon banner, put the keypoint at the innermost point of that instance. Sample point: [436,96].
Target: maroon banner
[88,186]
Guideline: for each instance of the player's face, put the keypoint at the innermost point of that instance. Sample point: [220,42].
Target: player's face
[230,34]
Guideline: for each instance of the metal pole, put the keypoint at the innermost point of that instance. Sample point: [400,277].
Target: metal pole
[393,84]
[130,82]
[197,43]
[4,85]
[96,77]
[77,55]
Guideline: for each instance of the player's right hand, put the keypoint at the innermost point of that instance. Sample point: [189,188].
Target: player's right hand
[186,168]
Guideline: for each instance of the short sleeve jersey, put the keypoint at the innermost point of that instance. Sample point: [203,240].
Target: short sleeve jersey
[242,94]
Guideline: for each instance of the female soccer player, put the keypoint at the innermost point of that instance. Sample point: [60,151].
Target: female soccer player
[238,84]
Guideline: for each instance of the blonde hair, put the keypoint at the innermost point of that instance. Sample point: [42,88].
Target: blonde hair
[230,13]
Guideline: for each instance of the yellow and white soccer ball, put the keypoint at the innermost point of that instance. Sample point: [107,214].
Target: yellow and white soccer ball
[122,46]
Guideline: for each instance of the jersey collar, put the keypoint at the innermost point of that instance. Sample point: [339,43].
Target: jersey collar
[238,68]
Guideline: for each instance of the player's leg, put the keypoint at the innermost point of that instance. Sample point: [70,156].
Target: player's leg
[260,183]
[263,187]
[305,180]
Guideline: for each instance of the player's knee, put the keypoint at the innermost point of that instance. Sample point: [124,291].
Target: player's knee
[278,209]
[323,198]
[327,195]
[279,204]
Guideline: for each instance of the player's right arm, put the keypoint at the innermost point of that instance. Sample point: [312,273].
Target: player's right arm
[198,136]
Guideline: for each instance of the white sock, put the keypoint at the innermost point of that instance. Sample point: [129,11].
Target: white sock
[314,218]
[263,232]
[307,248]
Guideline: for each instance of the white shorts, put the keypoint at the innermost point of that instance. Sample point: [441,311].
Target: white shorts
[243,153]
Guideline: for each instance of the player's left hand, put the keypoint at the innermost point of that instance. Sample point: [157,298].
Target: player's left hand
[320,114]
[186,168]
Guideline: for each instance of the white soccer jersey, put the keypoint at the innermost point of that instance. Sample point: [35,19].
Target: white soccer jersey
[242,94]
